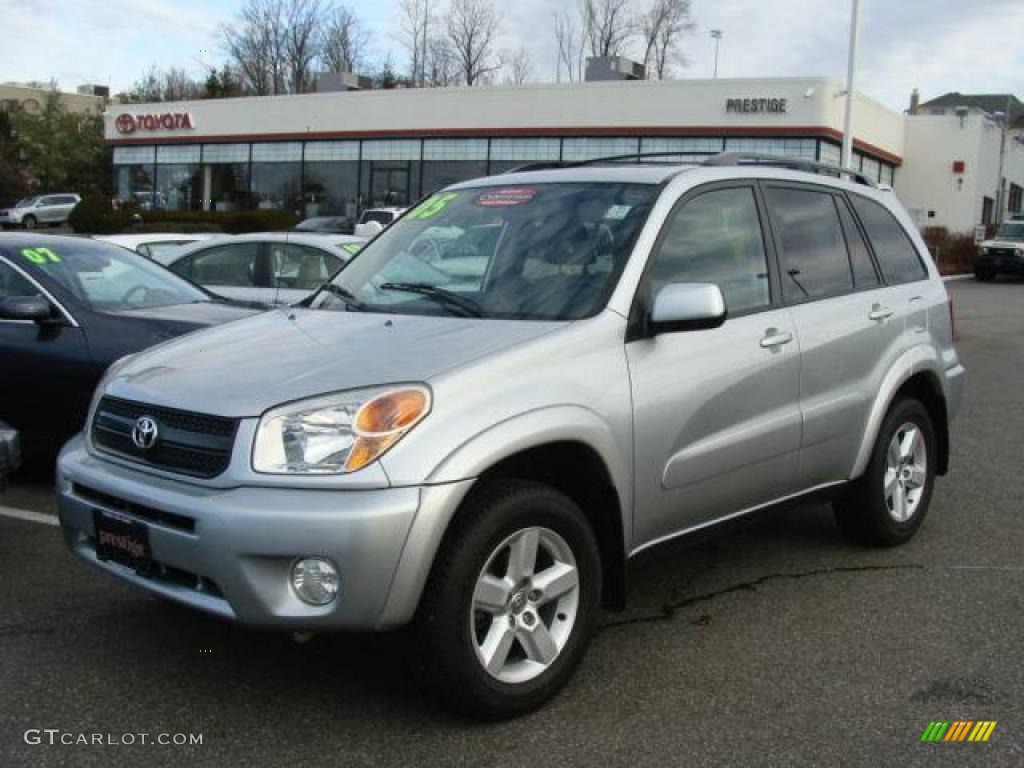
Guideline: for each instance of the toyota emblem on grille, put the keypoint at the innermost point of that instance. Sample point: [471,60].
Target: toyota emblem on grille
[144,433]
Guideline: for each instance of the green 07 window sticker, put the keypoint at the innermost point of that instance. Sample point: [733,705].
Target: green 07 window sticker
[40,255]
[432,206]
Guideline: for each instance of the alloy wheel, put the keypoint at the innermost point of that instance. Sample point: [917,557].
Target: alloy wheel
[906,472]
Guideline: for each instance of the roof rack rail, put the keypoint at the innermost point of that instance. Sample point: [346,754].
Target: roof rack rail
[792,163]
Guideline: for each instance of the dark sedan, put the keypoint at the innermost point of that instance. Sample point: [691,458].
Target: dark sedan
[69,307]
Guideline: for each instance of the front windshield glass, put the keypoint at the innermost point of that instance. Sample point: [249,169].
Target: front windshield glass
[537,252]
[28,202]
[1011,230]
[108,277]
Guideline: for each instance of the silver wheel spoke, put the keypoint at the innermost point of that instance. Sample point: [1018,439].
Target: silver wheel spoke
[899,503]
[538,643]
[907,443]
[917,476]
[523,555]
[555,581]
[892,477]
[491,594]
[497,644]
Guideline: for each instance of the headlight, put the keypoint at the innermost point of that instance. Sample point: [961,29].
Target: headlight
[338,433]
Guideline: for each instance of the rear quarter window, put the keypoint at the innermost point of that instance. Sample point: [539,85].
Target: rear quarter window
[896,254]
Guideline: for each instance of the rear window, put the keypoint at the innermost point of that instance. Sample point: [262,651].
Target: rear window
[896,254]
[382,217]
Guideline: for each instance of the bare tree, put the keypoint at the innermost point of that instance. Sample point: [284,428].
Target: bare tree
[172,84]
[472,29]
[517,64]
[344,41]
[255,45]
[662,27]
[441,63]
[415,22]
[305,19]
[608,25]
[569,40]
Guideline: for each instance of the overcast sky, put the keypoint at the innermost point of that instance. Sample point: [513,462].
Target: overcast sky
[936,45]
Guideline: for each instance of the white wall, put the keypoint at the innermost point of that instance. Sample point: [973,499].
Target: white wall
[926,181]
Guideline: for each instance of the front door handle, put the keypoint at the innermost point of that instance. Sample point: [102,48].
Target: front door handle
[878,312]
[775,338]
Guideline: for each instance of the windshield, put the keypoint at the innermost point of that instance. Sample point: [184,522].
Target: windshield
[538,252]
[108,277]
[319,225]
[28,202]
[381,217]
[1011,230]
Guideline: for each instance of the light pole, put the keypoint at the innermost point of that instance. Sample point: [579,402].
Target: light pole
[1000,184]
[851,68]
[716,35]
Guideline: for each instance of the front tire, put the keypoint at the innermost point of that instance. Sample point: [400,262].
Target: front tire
[984,274]
[511,602]
[888,503]
[29,222]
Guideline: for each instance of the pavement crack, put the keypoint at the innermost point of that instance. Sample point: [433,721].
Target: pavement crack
[671,607]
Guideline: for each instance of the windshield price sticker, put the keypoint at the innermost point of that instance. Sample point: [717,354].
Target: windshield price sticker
[507,197]
[432,206]
[40,255]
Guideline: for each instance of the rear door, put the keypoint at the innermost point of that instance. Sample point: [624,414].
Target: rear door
[716,412]
[902,269]
[48,211]
[848,335]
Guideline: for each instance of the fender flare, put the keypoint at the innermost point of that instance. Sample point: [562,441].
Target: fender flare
[453,477]
[916,360]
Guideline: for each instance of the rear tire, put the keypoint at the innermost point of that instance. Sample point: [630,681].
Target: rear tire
[496,636]
[887,504]
[984,274]
[29,222]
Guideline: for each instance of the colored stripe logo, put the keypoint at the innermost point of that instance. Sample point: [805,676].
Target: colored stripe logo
[959,730]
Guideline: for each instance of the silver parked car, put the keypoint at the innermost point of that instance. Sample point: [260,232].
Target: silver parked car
[267,268]
[625,354]
[36,211]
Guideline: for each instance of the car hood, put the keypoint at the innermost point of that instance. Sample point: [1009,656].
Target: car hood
[177,319]
[244,368]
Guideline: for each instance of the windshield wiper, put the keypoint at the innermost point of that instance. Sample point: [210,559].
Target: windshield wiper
[438,294]
[351,302]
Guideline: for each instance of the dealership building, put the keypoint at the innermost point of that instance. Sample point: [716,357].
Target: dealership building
[340,152]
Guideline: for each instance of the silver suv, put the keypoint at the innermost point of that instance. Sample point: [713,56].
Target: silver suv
[35,211]
[522,384]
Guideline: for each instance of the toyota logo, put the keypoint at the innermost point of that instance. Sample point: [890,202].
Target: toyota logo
[144,433]
[125,123]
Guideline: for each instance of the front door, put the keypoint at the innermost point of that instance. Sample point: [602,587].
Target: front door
[716,412]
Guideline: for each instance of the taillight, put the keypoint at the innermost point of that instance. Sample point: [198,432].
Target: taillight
[952,319]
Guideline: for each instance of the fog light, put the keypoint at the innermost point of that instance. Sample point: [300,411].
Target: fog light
[315,580]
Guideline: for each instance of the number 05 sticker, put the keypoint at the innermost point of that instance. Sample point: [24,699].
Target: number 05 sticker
[432,206]
[40,255]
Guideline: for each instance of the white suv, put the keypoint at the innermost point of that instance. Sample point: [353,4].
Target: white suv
[45,209]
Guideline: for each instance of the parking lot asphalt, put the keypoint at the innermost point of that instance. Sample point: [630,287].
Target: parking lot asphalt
[775,643]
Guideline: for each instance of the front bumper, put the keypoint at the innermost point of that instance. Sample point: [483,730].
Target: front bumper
[229,552]
[1003,263]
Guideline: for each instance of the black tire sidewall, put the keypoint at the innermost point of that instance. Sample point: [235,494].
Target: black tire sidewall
[902,412]
[491,517]
[29,222]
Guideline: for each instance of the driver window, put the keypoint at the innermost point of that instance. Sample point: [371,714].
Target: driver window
[301,267]
[13,284]
[716,238]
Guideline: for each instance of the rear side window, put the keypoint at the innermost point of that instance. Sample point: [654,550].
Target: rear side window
[894,250]
[814,261]
[301,267]
[864,274]
[716,238]
[231,265]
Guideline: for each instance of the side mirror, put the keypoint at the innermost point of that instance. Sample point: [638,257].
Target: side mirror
[687,307]
[34,309]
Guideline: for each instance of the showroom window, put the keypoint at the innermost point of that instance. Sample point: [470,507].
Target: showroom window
[691,149]
[133,175]
[448,161]
[179,185]
[587,148]
[831,154]
[277,175]
[806,148]
[227,166]
[390,173]
[507,154]
[331,179]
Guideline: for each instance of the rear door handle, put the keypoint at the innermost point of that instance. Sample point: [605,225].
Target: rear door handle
[878,312]
[775,338]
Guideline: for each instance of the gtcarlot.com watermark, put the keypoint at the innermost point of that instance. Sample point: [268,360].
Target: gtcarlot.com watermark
[57,737]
